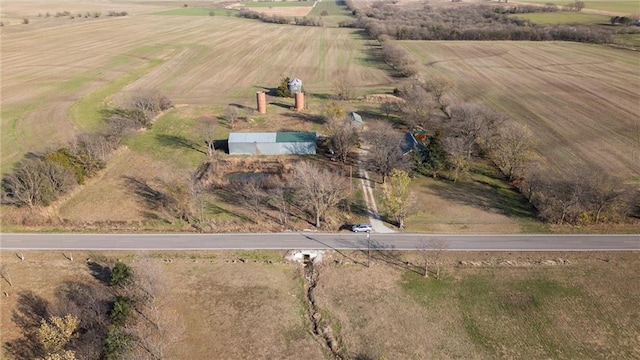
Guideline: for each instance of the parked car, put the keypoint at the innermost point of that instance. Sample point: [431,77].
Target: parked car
[361,227]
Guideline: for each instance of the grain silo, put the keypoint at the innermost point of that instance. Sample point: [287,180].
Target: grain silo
[261,99]
[295,86]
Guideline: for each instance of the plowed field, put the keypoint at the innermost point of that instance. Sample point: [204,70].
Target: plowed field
[581,101]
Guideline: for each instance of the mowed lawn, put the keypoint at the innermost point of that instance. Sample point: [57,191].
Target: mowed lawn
[198,61]
[579,100]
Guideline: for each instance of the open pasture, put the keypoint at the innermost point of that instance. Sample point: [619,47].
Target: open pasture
[564,17]
[486,305]
[580,101]
[198,61]
[609,6]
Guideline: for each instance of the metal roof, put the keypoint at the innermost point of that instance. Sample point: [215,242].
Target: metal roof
[296,137]
[272,137]
[251,137]
[356,117]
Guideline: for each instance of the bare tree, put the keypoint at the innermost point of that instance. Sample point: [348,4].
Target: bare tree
[36,182]
[207,131]
[388,107]
[318,189]
[344,89]
[343,135]
[251,195]
[604,194]
[280,197]
[431,250]
[231,114]
[384,152]
[4,273]
[157,329]
[150,103]
[439,87]
[418,104]
[457,159]
[512,149]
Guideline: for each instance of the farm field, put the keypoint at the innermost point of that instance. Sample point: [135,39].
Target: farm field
[610,6]
[579,100]
[197,61]
[547,305]
[564,17]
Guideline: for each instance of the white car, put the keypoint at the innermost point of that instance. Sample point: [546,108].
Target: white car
[361,227]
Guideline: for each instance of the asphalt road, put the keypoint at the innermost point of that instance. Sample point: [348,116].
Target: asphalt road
[310,240]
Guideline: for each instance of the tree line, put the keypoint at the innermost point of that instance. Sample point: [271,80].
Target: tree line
[41,178]
[460,133]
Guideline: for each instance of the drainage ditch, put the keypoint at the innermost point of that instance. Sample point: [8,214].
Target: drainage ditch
[321,328]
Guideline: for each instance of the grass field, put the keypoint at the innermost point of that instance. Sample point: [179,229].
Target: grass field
[579,100]
[564,17]
[274,4]
[486,306]
[612,6]
[194,11]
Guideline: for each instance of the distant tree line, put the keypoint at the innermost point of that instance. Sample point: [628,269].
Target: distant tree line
[279,19]
[467,22]
[39,179]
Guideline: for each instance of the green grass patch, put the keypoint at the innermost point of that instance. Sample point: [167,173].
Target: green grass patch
[525,308]
[330,8]
[564,17]
[172,138]
[619,6]
[270,4]
[629,40]
[88,112]
[426,291]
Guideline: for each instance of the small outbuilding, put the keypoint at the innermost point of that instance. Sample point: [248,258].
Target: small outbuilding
[272,143]
[356,119]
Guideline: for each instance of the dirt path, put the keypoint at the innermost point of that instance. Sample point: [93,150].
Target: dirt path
[367,188]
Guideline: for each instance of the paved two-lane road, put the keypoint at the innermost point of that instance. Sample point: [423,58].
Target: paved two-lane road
[310,240]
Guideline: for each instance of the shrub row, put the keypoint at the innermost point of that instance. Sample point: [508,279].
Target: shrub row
[279,19]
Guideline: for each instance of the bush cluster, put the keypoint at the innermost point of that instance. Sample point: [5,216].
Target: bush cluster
[40,179]
[279,19]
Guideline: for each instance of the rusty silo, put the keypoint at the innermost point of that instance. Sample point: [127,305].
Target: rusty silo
[261,98]
[299,101]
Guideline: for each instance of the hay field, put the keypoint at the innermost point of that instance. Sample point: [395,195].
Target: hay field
[199,61]
[581,101]
[497,306]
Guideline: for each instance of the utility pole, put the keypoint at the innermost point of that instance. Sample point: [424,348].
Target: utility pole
[368,249]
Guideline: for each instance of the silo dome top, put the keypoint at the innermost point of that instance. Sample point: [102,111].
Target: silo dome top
[295,85]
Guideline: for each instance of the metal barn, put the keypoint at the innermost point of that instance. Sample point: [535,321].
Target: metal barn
[276,143]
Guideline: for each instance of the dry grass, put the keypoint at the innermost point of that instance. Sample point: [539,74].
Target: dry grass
[486,306]
[230,310]
[576,98]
